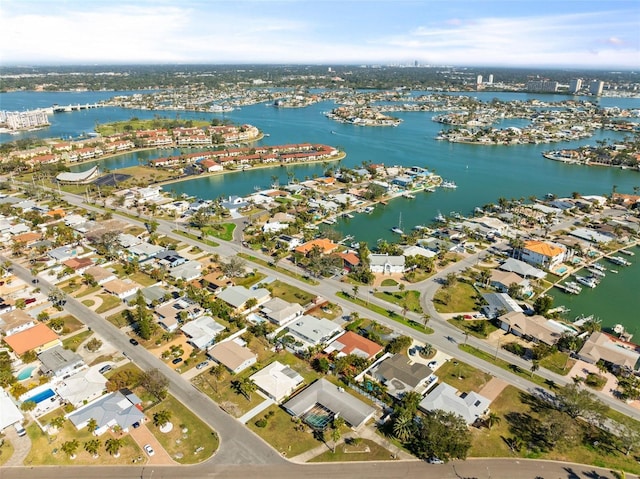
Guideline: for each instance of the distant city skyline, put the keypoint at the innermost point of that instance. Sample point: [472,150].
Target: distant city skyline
[514,33]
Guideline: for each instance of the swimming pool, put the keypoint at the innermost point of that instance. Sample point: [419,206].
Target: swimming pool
[41,396]
[318,417]
[25,373]
[561,270]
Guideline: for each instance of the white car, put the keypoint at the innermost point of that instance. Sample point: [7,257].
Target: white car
[435,460]
[149,450]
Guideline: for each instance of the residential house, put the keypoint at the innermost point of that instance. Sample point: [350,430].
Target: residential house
[605,347]
[277,381]
[188,271]
[352,343]
[83,386]
[325,246]
[171,314]
[313,331]
[349,260]
[78,265]
[281,312]
[144,251]
[202,331]
[15,321]
[100,274]
[544,254]
[9,413]
[37,338]
[234,357]
[59,362]
[121,408]
[121,289]
[471,406]
[400,376]
[386,264]
[502,280]
[237,296]
[215,282]
[332,401]
[499,304]
[64,253]
[536,328]
[523,269]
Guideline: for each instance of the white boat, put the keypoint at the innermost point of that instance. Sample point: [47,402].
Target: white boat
[598,266]
[588,281]
[449,185]
[420,228]
[409,196]
[398,229]
[440,218]
[455,215]
[572,287]
[628,253]
[347,215]
[615,271]
[596,272]
[619,260]
[369,209]
[330,221]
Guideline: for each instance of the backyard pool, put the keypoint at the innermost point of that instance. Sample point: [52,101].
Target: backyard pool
[25,373]
[318,417]
[41,396]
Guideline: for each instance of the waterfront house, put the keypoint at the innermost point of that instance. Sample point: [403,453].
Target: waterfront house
[605,347]
[349,260]
[325,246]
[544,254]
[277,381]
[523,269]
[471,406]
[233,356]
[502,280]
[534,328]
[499,304]
[330,401]
[413,250]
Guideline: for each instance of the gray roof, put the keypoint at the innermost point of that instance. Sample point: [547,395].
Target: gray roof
[382,259]
[522,268]
[153,293]
[591,235]
[58,358]
[111,408]
[470,405]
[398,367]
[498,302]
[202,331]
[336,399]
[314,330]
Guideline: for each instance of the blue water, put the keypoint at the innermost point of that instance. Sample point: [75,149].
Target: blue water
[25,373]
[42,396]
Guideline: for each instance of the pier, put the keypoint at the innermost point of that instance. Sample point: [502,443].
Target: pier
[77,107]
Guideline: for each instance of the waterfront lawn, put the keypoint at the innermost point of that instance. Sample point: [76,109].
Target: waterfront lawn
[109,301]
[223,231]
[197,444]
[366,450]
[460,297]
[462,376]
[518,418]
[283,433]
[146,174]
[290,293]
[74,342]
[480,328]
[409,298]
[47,450]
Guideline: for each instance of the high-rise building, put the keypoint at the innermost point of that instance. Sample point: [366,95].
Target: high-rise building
[596,87]
[490,82]
[479,80]
[575,85]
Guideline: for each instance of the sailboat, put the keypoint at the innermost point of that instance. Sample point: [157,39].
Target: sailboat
[398,229]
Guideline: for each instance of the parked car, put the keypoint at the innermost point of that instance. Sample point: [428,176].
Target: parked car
[136,424]
[177,360]
[203,364]
[134,342]
[149,450]
[435,460]
[105,369]
[29,300]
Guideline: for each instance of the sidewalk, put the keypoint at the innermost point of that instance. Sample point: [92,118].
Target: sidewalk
[256,410]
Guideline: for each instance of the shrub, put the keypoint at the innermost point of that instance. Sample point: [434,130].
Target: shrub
[261,423]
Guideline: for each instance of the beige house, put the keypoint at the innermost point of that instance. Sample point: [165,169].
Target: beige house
[234,357]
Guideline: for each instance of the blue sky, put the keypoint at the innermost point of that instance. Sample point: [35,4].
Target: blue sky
[518,33]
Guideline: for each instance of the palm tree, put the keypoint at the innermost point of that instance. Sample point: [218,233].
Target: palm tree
[161,417]
[535,365]
[425,320]
[218,371]
[57,421]
[245,387]
[492,419]
[485,276]
[335,437]
[402,426]
[70,448]
[113,446]
[92,447]
[92,425]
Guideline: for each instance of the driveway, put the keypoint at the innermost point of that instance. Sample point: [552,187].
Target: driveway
[21,447]
[143,436]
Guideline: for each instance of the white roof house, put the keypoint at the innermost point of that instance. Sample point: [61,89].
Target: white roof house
[470,405]
[112,409]
[386,264]
[9,412]
[277,380]
[237,296]
[281,312]
[202,331]
[83,386]
[313,330]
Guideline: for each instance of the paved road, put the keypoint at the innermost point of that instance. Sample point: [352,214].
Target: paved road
[480,468]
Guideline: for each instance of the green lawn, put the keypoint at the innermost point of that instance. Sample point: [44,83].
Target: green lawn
[71,324]
[290,293]
[458,298]
[137,124]
[118,320]
[87,290]
[109,301]
[192,446]
[223,231]
[6,451]
[75,341]
[481,328]
[389,282]
[249,280]
[366,450]
[558,362]
[409,298]
[142,279]
[262,262]
[284,435]
[462,376]
[198,238]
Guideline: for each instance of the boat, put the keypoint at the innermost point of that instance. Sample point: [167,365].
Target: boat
[598,266]
[478,210]
[596,272]
[369,209]
[430,189]
[347,215]
[409,196]
[628,253]
[572,287]
[330,221]
[619,260]
[398,229]
[420,228]
[455,215]
[615,271]
[588,281]
[440,218]
[449,185]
